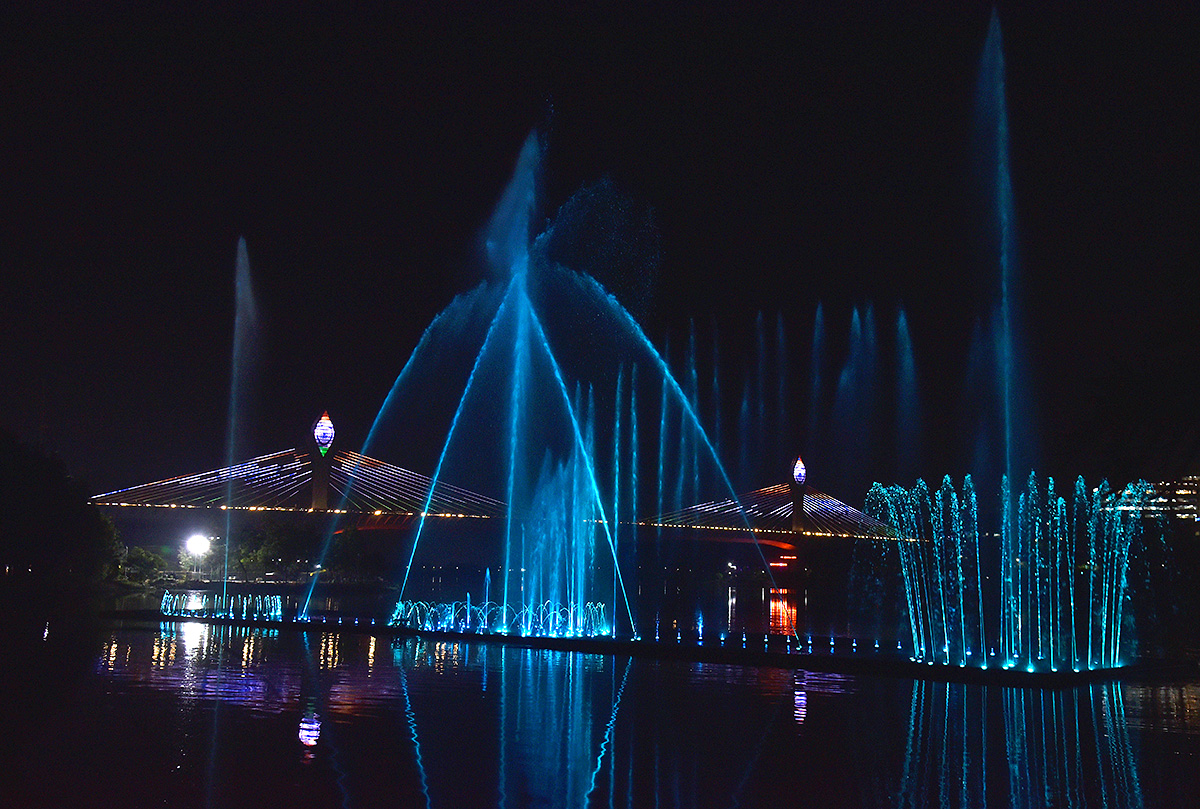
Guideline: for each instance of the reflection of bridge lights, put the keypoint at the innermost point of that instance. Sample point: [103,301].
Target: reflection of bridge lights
[330,654]
[310,729]
[782,611]
[800,709]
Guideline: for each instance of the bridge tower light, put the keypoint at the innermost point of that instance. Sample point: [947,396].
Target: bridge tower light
[798,485]
[322,434]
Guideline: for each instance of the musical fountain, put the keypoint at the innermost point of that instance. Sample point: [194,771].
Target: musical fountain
[549,410]
[552,399]
[1052,599]
[552,410]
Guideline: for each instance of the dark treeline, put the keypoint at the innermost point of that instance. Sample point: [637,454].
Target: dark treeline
[51,538]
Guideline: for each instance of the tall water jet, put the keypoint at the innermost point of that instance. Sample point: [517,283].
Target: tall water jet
[855,403]
[633,453]
[1001,250]
[818,349]
[908,414]
[510,231]
[618,407]
[681,460]
[241,380]
[662,448]
[981,422]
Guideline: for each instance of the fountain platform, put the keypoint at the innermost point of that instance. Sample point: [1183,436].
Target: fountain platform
[774,651]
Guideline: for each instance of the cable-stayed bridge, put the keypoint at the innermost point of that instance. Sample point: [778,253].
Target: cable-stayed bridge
[293,480]
[384,495]
[773,511]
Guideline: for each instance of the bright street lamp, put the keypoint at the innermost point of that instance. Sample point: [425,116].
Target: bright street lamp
[198,545]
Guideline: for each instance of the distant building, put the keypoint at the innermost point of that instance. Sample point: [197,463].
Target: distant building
[1179,502]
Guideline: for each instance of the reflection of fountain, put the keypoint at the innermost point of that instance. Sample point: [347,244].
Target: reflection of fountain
[971,746]
[1053,600]
[556,716]
[310,728]
[454,723]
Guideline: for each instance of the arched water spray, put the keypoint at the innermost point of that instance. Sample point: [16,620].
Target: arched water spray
[571,499]
[448,328]
[483,351]
[633,330]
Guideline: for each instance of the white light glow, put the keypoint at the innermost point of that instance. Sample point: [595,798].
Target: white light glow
[198,545]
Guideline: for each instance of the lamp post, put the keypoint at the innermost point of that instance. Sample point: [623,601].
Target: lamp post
[197,546]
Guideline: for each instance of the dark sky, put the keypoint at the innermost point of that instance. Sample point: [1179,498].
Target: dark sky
[787,157]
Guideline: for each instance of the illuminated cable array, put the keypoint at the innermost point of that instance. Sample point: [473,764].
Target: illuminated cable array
[277,480]
[284,481]
[369,485]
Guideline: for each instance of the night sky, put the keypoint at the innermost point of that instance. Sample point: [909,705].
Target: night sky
[786,158]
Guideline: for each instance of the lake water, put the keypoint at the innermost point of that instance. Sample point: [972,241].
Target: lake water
[183,714]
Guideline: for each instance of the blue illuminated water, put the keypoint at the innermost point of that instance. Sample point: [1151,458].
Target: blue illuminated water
[1044,591]
[548,359]
[908,411]
[188,715]
[1016,434]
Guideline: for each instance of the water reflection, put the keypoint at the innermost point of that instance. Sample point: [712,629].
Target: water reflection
[310,728]
[783,612]
[1174,708]
[454,724]
[970,746]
